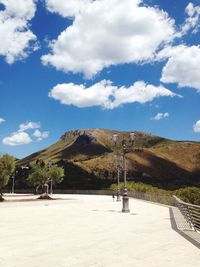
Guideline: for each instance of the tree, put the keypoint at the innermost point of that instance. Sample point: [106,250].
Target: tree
[7,167]
[40,162]
[38,177]
[56,174]
[41,176]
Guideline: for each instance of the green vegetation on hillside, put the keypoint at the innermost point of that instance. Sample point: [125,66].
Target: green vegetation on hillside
[189,194]
[148,192]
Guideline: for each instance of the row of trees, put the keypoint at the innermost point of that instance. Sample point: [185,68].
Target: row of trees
[7,167]
[40,175]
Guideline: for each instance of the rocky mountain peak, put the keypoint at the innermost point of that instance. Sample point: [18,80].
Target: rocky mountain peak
[74,134]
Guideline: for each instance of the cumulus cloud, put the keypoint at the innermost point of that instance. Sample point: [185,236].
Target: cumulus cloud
[17,40]
[21,137]
[182,66]
[2,120]
[17,138]
[196,127]
[40,135]
[106,95]
[160,116]
[28,125]
[68,8]
[192,20]
[105,33]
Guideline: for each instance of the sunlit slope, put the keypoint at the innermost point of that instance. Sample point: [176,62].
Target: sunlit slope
[149,158]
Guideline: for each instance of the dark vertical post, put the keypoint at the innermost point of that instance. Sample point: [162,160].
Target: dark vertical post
[125,199]
[118,189]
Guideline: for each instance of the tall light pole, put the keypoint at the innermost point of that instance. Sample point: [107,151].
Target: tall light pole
[125,199]
[51,186]
[118,189]
[118,160]
[13,181]
[51,181]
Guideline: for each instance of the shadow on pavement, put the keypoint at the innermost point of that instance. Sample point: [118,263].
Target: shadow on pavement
[182,227]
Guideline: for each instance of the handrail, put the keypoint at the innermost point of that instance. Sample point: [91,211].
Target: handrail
[148,196]
[190,212]
[153,197]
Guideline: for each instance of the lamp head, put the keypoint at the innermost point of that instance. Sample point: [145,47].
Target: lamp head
[115,137]
[132,136]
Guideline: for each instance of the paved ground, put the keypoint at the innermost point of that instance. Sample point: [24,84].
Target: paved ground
[90,231]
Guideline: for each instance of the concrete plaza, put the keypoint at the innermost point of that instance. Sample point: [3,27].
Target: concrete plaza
[83,230]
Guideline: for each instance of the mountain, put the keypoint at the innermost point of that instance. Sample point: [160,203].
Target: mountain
[88,157]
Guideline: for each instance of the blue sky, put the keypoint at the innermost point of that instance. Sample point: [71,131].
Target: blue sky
[124,65]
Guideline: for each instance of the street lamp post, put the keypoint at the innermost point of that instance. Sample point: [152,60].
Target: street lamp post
[13,183]
[118,189]
[51,181]
[51,186]
[14,176]
[118,167]
[125,198]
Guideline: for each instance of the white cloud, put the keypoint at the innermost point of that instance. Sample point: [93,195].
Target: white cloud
[40,135]
[18,39]
[193,19]
[107,95]
[21,137]
[160,116]
[68,8]
[29,125]
[196,127]
[18,138]
[182,66]
[105,33]
[2,120]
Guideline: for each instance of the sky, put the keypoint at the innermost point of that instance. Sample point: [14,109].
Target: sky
[77,64]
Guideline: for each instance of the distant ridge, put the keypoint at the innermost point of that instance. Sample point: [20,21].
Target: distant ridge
[150,159]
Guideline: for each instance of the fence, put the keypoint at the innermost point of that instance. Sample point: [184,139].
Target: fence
[148,196]
[83,192]
[190,212]
[153,197]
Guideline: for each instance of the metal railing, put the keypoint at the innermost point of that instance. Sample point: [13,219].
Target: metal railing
[190,212]
[148,196]
[153,197]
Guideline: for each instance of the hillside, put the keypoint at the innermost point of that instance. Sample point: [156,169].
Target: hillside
[88,158]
